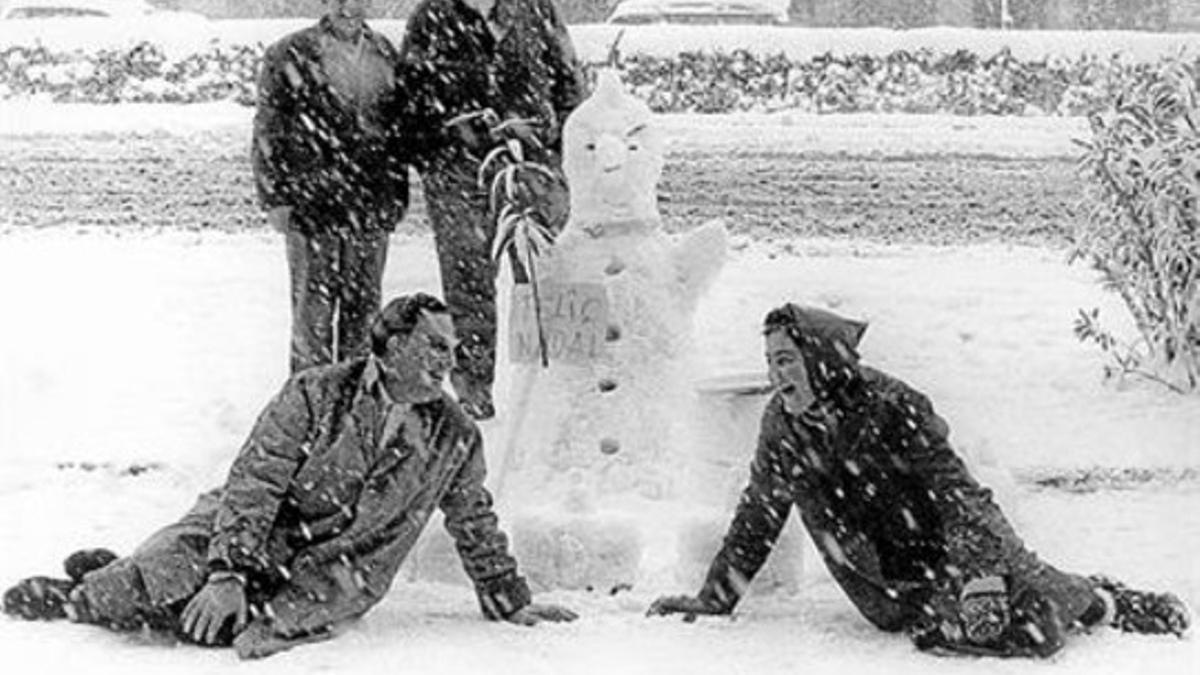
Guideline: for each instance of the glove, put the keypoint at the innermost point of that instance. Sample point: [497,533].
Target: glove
[991,622]
[984,610]
[222,598]
[533,614]
[690,607]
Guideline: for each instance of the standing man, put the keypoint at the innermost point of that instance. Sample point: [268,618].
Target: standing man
[325,500]
[331,174]
[477,73]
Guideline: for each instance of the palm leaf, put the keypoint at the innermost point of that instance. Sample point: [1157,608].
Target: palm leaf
[494,155]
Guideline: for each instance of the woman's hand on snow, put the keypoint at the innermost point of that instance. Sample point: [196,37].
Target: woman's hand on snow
[534,613]
[689,606]
[221,598]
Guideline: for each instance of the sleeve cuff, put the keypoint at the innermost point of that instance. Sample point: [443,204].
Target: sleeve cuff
[504,596]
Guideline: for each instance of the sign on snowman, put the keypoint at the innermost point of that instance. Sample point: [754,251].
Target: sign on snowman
[562,322]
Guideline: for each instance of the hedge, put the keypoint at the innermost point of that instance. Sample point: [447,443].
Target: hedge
[920,81]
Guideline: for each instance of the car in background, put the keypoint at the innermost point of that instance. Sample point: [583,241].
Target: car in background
[703,12]
[88,9]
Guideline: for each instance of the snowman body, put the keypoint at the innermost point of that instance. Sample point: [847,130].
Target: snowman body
[602,479]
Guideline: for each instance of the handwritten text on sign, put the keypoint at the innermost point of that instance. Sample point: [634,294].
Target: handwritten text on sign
[574,322]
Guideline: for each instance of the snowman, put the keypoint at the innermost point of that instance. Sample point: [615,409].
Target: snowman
[597,471]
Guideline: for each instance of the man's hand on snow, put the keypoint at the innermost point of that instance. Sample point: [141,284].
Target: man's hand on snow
[222,598]
[690,607]
[533,614]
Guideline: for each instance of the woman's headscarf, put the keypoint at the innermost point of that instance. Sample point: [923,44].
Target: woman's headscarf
[828,343]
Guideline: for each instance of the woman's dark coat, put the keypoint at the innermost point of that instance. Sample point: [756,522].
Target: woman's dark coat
[898,519]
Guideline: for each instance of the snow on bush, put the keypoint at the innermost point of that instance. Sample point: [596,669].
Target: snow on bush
[679,69]
[140,74]
[1142,230]
[920,81]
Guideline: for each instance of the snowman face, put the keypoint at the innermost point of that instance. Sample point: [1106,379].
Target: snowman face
[613,156]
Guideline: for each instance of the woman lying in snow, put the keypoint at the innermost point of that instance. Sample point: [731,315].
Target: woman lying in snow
[914,541]
[330,492]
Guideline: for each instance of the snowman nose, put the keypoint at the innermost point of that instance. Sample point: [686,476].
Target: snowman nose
[611,152]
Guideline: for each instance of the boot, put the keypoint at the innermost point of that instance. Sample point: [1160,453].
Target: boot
[1143,611]
[87,560]
[39,599]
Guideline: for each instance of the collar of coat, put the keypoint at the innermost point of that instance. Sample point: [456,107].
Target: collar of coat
[306,43]
[325,26]
[372,385]
[395,417]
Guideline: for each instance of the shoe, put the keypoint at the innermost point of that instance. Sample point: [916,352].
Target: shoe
[39,598]
[1143,611]
[87,560]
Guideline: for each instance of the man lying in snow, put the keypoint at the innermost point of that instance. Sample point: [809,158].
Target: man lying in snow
[326,498]
[913,540]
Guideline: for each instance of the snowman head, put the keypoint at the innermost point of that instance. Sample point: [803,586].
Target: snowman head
[612,156]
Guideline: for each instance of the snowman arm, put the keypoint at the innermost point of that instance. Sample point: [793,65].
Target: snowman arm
[699,256]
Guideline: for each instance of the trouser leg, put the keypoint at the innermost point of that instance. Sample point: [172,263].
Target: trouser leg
[1074,595]
[875,605]
[462,229]
[149,587]
[312,262]
[363,260]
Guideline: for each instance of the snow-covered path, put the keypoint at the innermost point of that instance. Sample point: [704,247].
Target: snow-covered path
[128,351]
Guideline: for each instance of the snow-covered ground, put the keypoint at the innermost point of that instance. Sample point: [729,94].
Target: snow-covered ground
[787,132]
[123,352]
[133,363]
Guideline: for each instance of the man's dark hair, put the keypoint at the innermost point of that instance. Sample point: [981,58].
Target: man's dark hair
[400,317]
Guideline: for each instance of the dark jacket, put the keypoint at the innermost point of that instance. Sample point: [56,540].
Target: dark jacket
[311,148]
[452,65]
[889,504]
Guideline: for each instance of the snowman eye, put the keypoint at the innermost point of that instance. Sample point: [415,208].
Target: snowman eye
[631,136]
[590,146]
